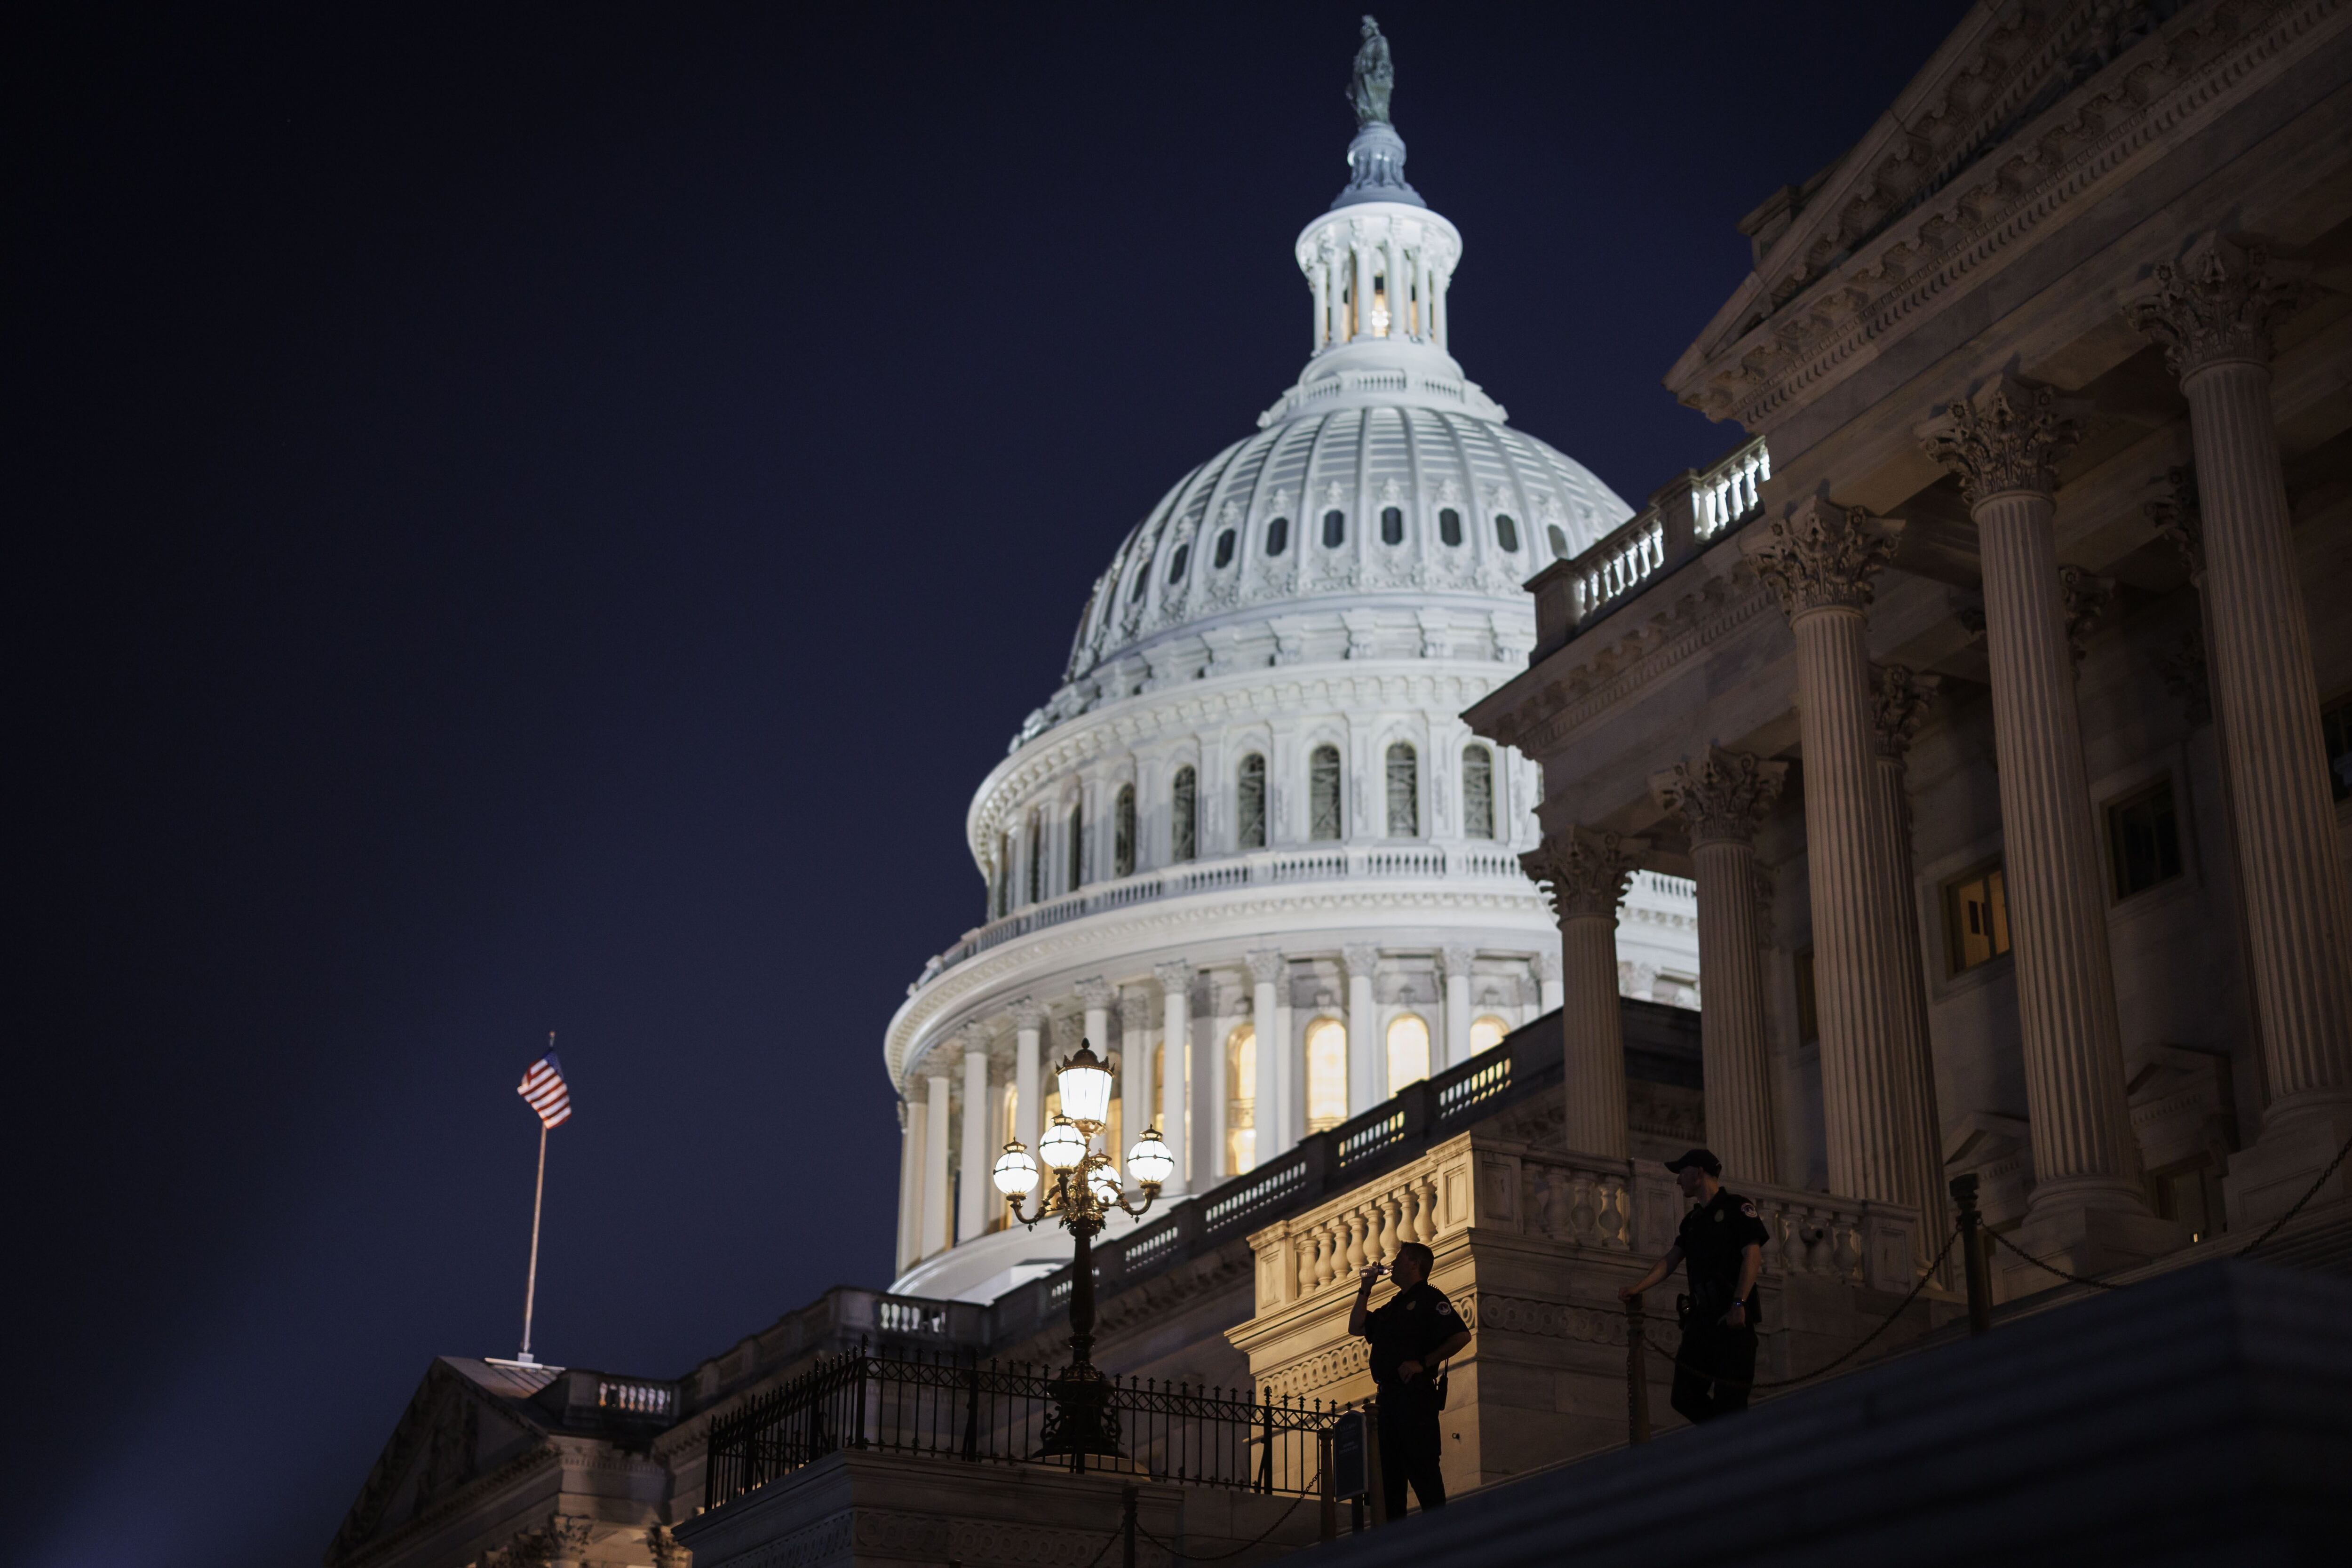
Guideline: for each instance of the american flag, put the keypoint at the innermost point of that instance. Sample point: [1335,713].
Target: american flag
[542,1085]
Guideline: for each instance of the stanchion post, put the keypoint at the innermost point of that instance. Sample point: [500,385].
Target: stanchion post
[1637,1382]
[1972,1253]
[1127,1498]
[1323,1447]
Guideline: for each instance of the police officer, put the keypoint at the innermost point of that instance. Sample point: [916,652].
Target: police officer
[1722,1240]
[1415,1331]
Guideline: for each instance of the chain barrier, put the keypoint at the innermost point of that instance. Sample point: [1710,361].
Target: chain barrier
[1316,1486]
[2052,1268]
[2281,1221]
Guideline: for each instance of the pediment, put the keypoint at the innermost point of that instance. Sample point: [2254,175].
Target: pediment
[452,1432]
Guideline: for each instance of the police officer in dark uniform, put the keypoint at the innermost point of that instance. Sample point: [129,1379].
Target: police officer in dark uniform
[1415,1331]
[1722,1240]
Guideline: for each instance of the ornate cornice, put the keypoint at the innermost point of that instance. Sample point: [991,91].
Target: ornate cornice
[2219,304]
[1027,1014]
[1992,204]
[2006,436]
[1902,699]
[1822,556]
[1723,795]
[1585,872]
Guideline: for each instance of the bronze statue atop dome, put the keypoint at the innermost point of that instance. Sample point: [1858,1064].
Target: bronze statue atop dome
[1374,78]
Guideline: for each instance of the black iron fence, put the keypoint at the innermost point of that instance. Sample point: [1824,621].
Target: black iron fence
[996,1412]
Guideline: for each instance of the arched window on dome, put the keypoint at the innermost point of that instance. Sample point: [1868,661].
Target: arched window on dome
[1449,526]
[1184,815]
[1077,847]
[1277,536]
[1487,1032]
[1477,792]
[1143,581]
[1176,562]
[1249,801]
[1404,792]
[1558,540]
[1037,858]
[1327,1074]
[1335,529]
[1122,848]
[1323,792]
[1407,1051]
[1241,1100]
[1225,556]
[1507,532]
[1391,525]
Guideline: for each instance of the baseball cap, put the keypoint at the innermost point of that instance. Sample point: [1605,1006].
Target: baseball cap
[1704,1159]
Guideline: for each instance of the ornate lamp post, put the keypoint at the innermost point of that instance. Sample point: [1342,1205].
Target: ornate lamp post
[1086,1188]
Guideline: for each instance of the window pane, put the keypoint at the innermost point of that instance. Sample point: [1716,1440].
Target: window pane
[1277,536]
[1507,532]
[1123,831]
[1408,1052]
[1323,792]
[2144,840]
[1809,1017]
[1225,550]
[1077,848]
[1184,804]
[1487,1032]
[1391,525]
[1558,541]
[1251,802]
[1327,1074]
[1176,562]
[1976,915]
[1477,792]
[2336,729]
[1404,792]
[1449,526]
[1036,859]
[1335,530]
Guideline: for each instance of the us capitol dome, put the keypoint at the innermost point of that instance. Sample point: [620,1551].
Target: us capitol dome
[1251,822]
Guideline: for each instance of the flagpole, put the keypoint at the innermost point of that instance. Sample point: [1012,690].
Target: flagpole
[538,1196]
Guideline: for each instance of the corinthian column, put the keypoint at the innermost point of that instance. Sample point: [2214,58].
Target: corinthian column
[1721,797]
[1458,962]
[1028,1079]
[1094,999]
[1175,1051]
[1587,873]
[1270,1119]
[1136,1109]
[1903,696]
[1820,560]
[2213,314]
[975,1191]
[2003,443]
[1368,1071]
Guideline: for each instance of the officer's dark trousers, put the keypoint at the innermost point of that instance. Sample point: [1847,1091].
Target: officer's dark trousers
[1713,1370]
[1408,1445]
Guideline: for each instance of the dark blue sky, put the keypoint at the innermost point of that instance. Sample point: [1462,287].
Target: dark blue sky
[531,518]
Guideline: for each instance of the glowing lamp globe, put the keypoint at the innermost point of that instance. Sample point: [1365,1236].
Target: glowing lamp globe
[1150,1162]
[1063,1146]
[1103,1181]
[1016,1171]
[1084,1083]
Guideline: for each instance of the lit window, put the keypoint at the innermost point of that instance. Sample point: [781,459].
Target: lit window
[2144,840]
[1975,916]
[1487,1032]
[2336,729]
[1277,536]
[1184,814]
[1449,526]
[1477,792]
[1327,1074]
[1225,556]
[1404,792]
[1407,1051]
[1558,539]
[1241,1100]
[1335,529]
[1122,852]
[1323,792]
[1507,532]
[1250,802]
[1176,562]
[1391,525]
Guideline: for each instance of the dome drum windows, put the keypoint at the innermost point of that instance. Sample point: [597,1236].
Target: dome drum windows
[1335,529]
[1558,540]
[1077,848]
[1277,536]
[1225,556]
[1176,562]
[1507,532]
[1449,528]
[1477,793]
[1323,814]
[1404,792]
[1250,804]
[1391,525]
[1122,848]
[1184,815]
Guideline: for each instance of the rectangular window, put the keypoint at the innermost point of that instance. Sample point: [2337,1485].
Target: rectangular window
[1250,798]
[1976,918]
[1809,1014]
[2144,840]
[2336,725]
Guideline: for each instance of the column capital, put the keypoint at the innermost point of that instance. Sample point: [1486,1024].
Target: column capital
[1458,960]
[2006,436]
[1175,977]
[1266,964]
[975,1036]
[1134,1011]
[668,1551]
[1722,795]
[2218,303]
[1361,959]
[1821,556]
[1587,870]
[2178,523]
[1095,993]
[1902,699]
[1028,1013]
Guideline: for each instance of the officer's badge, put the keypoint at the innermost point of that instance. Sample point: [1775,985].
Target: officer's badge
[1718,1217]
[1748,1209]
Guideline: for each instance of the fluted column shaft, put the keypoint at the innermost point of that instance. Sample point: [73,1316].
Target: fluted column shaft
[1902,701]
[979,1152]
[1854,951]
[1028,1077]
[1138,1101]
[1269,1107]
[1368,1073]
[1587,873]
[2267,708]
[1458,962]
[1175,1083]
[910,1184]
[937,1221]
[1737,1061]
[2072,1038]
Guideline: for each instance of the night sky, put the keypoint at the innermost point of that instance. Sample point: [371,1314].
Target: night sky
[530,518]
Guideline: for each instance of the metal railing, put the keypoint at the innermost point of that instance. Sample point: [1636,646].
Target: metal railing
[999,1413]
